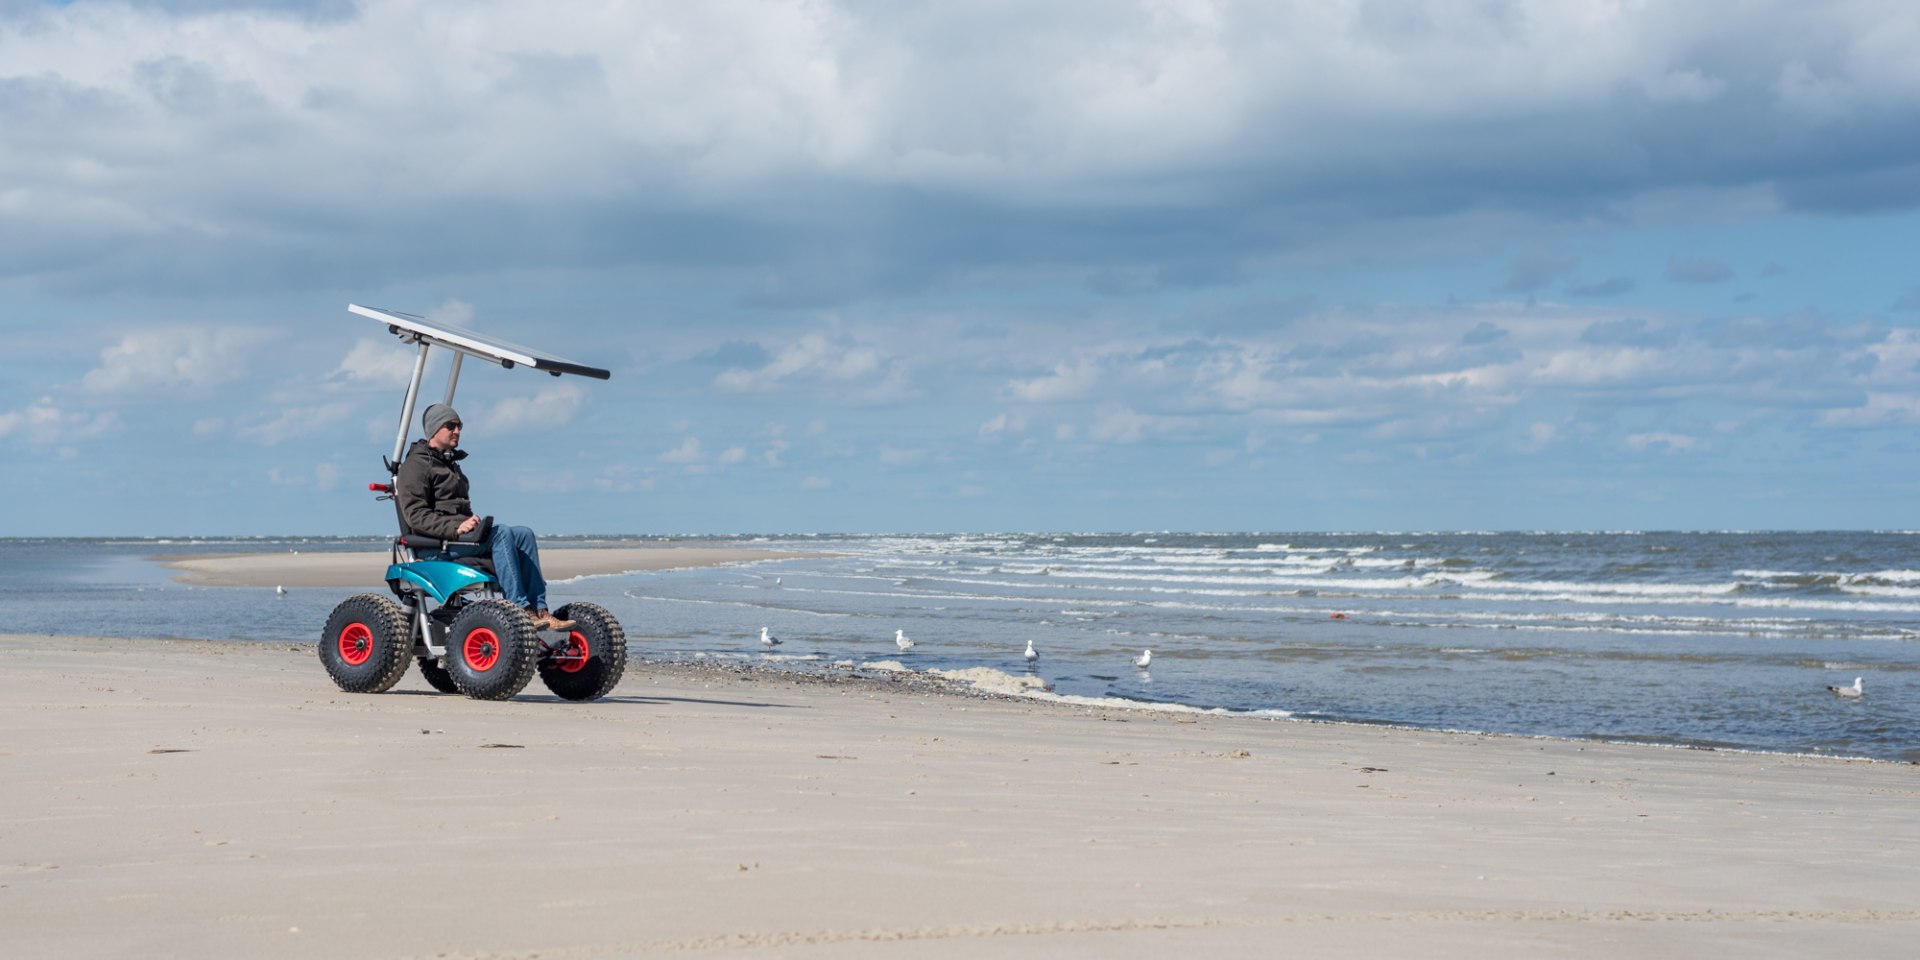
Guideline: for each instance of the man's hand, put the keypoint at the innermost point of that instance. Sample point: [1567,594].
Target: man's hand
[467,527]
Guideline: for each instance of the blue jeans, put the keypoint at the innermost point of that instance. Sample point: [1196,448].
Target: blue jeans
[516,564]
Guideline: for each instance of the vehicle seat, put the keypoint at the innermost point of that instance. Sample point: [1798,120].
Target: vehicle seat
[410,546]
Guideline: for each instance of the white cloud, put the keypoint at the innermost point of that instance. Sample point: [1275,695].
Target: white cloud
[1067,381]
[812,357]
[1119,425]
[172,358]
[687,452]
[42,422]
[1673,442]
[1881,409]
[376,361]
[293,423]
[548,409]
[1007,423]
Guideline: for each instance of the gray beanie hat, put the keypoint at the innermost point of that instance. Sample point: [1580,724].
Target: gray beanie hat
[438,415]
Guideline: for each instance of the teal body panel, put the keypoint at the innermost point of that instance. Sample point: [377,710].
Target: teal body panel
[440,579]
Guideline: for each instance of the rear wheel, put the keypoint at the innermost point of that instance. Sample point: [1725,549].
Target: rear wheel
[490,650]
[595,657]
[437,675]
[365,644]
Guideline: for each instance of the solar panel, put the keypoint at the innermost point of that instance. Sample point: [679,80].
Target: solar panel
[415,328]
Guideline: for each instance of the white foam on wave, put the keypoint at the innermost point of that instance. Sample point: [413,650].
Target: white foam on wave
[992,681]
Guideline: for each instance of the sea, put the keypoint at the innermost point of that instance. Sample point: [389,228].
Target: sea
[1715,640]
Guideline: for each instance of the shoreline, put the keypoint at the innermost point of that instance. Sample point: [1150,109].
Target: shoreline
[366,568]
[224,799]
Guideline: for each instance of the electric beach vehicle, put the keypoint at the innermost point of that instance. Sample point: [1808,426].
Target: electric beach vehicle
[450,615]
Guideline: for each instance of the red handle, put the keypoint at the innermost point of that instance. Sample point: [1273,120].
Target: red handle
[380,487]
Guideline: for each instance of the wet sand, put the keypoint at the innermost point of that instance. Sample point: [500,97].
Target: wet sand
[366,568]
[196,799]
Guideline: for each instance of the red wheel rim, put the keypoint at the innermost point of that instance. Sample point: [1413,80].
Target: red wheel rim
[574,658]
[356,644]
[482,649]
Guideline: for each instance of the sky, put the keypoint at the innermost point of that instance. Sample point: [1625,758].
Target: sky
[1054,265]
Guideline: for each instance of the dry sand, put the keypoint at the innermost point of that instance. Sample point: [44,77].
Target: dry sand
[366,568]
[194,799]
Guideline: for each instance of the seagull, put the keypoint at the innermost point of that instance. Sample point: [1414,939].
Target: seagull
[1145,657]
[1031,654]
[280,591]
[1848,693]
[900,640]
[769,639]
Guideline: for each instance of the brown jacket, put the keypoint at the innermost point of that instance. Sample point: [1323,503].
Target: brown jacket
[433,491]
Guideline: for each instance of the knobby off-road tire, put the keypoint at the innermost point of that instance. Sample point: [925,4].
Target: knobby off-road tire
[366,644]
[491,648]
[595,656]
[437,675]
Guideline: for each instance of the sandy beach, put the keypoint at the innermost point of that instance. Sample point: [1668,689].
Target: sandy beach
[198,799]
[365,568]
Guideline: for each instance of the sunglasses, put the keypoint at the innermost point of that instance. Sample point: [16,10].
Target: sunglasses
[452,426]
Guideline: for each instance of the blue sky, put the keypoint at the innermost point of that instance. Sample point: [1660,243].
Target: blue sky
[1051,265]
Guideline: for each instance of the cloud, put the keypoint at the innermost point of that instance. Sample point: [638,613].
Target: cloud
[1183,143]
[1610,287]
[1673,442]
[295,423]
[1880,409]
[173,358]
[1689,270]
[1004,423]
[548,409]
[1535,269]
[814,357]
[42,422]
[687,452]
[1066,382]
[376,361]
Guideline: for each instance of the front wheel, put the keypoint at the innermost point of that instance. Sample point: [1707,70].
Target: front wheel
[595,657]
[490,649]
[366,643]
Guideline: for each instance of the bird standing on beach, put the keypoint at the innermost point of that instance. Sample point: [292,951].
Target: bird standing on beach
[1032,655]
[768,639]
[280,591]
[1145,657]
[1848,693]
[900,640]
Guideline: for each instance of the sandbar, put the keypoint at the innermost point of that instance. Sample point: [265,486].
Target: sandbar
[199,799]
[361,568]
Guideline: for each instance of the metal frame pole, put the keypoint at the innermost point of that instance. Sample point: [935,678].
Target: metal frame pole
[453,378]
[406,410]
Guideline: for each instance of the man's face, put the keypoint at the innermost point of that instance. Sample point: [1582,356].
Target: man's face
[447,437]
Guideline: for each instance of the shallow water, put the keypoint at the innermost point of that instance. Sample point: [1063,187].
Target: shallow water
[1705,639]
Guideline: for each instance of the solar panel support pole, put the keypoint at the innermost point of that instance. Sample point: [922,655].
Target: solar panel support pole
[413,395]
[453,378]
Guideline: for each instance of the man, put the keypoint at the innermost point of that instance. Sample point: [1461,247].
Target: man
[434,501]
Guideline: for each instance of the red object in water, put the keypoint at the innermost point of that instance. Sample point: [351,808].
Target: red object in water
[1336,616]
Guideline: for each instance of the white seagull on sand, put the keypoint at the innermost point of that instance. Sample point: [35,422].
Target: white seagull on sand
[768,638]
[900,640]
[280,591]
[1145,657]
[1032,655]
[1848,693]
